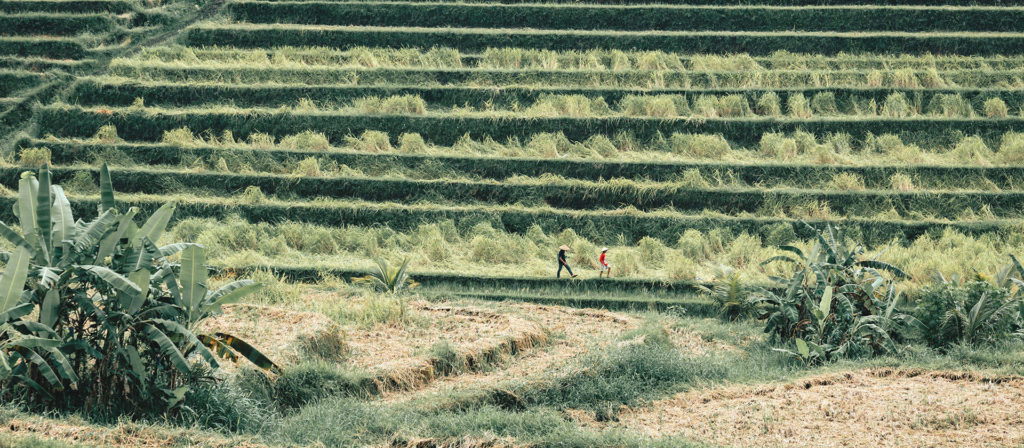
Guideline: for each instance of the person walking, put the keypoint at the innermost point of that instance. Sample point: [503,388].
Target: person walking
[605,267]
[562,263]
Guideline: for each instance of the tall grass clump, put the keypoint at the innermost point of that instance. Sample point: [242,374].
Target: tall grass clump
[769,105]
[951,105]
[653,106]
[34,157]
[824,103]
[370,141]
[1011,149]
[306,140]
[972,150]
[392,105]
[701,146]
[995,108]
[896,106]
[798,106]
[412,143]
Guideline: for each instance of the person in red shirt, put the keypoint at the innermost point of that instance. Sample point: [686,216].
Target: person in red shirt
[605,267]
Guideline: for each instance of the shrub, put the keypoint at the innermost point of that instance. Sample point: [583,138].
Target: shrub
[995,108]
[34,157]
[968,313]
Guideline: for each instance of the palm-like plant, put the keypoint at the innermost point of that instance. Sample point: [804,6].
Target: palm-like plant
[731,295]
[389,278]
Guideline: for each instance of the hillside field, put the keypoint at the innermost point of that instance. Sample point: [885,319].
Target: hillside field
[811,210]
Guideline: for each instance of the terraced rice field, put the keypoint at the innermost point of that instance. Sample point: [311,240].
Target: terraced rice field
[300,140]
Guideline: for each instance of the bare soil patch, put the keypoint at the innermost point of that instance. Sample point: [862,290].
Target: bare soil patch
[879,408]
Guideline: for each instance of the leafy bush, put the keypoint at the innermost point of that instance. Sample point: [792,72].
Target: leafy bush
[953,312]
[835,305]
[96,312]
[34,157]
[731,295]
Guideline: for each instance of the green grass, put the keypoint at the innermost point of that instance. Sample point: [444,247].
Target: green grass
[632,17]
[58,24]
[257,35]
[67,6]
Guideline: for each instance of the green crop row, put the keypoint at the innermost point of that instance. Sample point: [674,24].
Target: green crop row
[630,18]
[595,225]
[54,48]
[445,129]
[68,152]
[14,80]
[758,43]
[748,2]
[66,6]
[256,73]
[560,194]
[123,92]
[55,24]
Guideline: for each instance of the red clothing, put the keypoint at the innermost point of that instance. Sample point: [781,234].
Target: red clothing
[602,259]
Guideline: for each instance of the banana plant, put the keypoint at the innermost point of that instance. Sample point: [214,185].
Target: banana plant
[200,303]
[28,350]
[835,304]
[110,299]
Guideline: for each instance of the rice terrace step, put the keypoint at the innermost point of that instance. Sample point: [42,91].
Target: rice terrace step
[544,223]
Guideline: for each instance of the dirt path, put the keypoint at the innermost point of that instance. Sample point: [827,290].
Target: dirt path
[876,408]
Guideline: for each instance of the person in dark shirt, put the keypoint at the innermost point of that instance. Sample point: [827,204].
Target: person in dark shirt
[562,263]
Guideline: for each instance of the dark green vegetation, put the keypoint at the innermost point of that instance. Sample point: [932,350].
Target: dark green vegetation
[441,152]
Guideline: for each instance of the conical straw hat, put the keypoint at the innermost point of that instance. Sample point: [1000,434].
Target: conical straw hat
[604,249]
[563,247]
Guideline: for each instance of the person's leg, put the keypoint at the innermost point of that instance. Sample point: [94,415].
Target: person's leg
[567,268]
[559,273]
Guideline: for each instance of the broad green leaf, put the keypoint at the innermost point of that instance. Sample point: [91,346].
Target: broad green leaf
[41,366]
[171,249]
[826,301]
[16,239]
[194,343]
[801,347]
[229,293]
[93,232]
[193,277]
[140,278]
[124,227]
[249,352]
[106,189]
[62,224]
[136,362]
[5,368]
[28,190]
[12,282]
[63,367]
[44,201]
[167,348]
[49,307]
[115,280]
[156,224]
